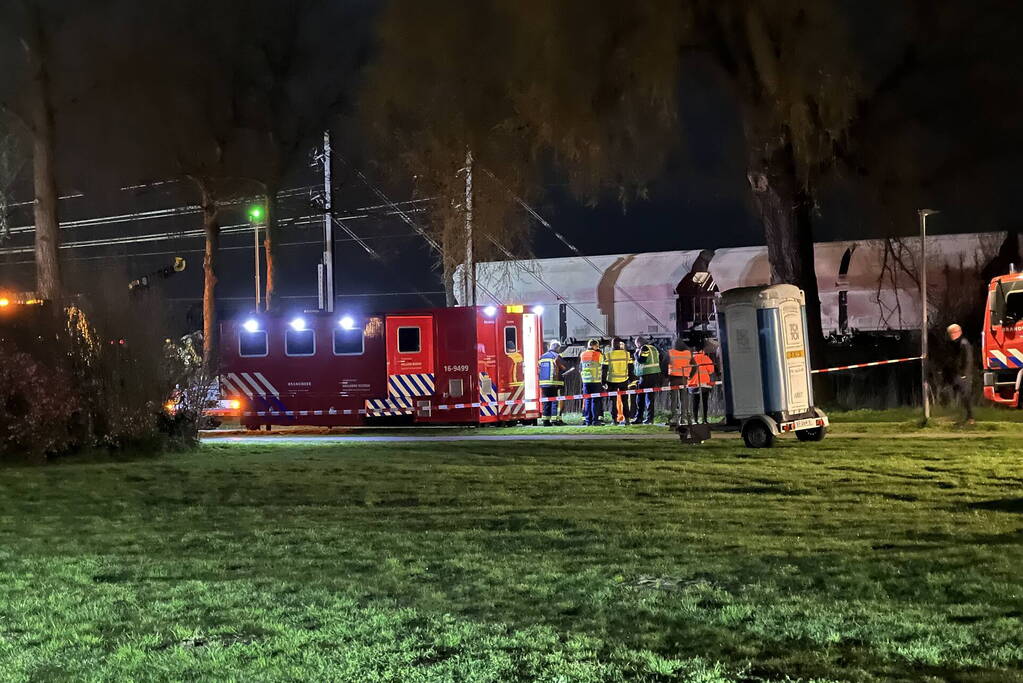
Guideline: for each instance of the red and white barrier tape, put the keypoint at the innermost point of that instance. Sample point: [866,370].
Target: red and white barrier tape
[867,365]
[541,399]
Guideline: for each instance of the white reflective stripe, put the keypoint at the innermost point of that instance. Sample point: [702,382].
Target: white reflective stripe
[273,390]
[261,391]
[241,384]
[999,356]
[520,403]
[228,385]
[1016,354]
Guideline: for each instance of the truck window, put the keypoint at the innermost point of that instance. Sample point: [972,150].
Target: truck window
[349,342]
[1013,307]
[252,344]
[409,340]
[299,342]
[511,339]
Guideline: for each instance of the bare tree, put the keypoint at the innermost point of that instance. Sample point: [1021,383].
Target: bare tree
[29,97]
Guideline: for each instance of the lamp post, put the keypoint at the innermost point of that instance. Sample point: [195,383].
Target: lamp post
[924,385]
[256,217]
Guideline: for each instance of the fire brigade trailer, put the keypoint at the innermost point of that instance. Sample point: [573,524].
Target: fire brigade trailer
[435,366]
[766,363]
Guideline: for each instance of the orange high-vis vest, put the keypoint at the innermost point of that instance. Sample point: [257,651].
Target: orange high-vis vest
[591,364]
[702,371]
[680,363]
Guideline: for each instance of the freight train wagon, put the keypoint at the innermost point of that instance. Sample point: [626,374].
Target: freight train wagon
[436,366]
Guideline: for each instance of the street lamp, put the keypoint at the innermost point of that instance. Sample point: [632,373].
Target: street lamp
[256,214]
[924,385]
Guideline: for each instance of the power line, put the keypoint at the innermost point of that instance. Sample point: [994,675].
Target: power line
[200,251]
[433,243]
[360,295]
[543,283]
[540,219]
[186,234]
[405,217]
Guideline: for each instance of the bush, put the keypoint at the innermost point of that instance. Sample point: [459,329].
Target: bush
[96,373]
[35,411]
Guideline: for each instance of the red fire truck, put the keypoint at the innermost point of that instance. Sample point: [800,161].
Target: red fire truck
[1003,340]
[436,366]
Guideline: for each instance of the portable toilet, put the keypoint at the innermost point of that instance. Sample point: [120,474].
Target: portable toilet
[765,354]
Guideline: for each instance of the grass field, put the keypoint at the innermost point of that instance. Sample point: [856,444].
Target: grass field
[869,558]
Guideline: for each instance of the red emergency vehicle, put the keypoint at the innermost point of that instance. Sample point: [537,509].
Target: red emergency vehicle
[436,366]
[1003,340]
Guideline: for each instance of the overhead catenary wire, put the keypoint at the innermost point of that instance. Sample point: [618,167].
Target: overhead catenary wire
[405,217]
[540,219]
[136,254]
[543,283]
[433,243]
[357,295]
[186,234]
[153,214]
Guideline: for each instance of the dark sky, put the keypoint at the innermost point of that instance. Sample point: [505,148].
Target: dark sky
[952,124]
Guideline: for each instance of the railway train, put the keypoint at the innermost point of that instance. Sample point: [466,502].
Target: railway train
[865,285]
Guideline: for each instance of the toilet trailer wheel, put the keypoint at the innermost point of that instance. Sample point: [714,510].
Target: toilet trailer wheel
[756,434]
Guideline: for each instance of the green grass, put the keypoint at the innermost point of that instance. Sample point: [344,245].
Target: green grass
[853,559]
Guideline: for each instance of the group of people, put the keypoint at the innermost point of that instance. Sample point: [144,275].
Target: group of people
[615,368]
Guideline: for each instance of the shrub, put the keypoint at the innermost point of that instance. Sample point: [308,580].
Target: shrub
[36,411]
[96,373]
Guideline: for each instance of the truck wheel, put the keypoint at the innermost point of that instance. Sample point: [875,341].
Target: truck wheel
[815,434]
[755,434]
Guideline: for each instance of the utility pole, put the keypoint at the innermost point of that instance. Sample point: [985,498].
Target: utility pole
[469,276]
[327,291]
[924,384]
[256,216]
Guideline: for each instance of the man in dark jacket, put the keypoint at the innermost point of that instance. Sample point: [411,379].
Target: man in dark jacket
[964,369]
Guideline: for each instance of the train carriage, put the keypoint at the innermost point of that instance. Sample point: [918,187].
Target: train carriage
[466,365]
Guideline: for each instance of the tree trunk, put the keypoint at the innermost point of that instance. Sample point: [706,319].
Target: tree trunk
[271,244]
[210,322]
[44,161]
[452,244]
[449,284]
[786,211]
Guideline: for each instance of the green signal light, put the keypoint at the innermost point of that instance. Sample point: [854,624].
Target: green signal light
[256,213]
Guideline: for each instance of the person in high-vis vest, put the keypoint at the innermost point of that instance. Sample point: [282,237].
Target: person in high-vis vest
[701,381]
[680,365]
[551,368]
[619,374]
[592,369]
[649,372]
